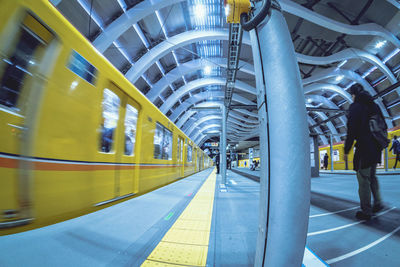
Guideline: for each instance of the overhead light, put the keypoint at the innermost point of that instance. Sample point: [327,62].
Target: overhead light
[309,100]
[226,10]
[339,78]
[200,11]
[207,70]
[342,63]
[380,44]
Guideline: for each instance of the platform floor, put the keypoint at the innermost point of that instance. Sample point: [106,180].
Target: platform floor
[130,233]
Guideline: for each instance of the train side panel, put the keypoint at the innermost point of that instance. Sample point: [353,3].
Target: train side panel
[75,141]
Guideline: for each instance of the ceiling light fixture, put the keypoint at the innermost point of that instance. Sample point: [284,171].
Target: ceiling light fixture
[226,10]
[339,78]
[207,70]
[342,63]
[200,11]
[380,44]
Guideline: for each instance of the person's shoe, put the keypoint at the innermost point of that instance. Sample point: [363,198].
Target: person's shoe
[362,216]
[377,208]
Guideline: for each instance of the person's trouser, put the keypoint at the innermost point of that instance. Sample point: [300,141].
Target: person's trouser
[367,184]
[397,159]
[217,168]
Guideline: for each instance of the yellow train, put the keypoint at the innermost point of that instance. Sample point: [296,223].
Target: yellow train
[76,136]
[338,148]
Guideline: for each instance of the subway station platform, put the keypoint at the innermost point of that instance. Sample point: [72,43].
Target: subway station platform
[196,221]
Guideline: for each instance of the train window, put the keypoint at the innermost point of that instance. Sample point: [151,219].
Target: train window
[81,67]
[162,143]
[130,129]
[189,153]
[180,149]
[109,121]
[25,56]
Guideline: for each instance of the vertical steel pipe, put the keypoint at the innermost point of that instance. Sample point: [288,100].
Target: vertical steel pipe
[223,145]
[285,169]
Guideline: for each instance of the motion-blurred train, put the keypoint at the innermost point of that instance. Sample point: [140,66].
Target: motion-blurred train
[338,159]
[76,135]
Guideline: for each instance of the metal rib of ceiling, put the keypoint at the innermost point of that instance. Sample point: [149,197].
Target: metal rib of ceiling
[175,52]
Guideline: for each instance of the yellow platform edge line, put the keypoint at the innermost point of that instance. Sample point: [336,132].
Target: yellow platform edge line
[181,247]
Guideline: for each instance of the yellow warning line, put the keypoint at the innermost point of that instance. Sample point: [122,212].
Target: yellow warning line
[186,243]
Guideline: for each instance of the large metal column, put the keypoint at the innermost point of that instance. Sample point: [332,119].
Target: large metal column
[285,147]
[223,145]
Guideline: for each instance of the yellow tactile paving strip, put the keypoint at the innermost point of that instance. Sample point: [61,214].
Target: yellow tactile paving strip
[186,243]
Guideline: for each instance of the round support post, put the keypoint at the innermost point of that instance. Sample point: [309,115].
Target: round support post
[223,145]
[284,141]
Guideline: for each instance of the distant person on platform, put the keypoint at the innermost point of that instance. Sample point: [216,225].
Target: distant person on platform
[326,158]
[228,163]
[396,150]
[217,161]
[368,150]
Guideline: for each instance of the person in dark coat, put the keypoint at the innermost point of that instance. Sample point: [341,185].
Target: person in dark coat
[368,150]
[326,157]
[217,162]
[396,150]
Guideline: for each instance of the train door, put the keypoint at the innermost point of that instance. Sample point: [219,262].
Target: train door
[26,56]
[118,139]
[126,174]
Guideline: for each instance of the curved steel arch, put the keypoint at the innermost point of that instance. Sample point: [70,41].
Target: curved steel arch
[201,96]
[329,104]
[200,121]
[175,42]
[345,54]
[120,25]
[329,87]
[318,130]
[189,67]
[205,128]
[194,116]
[395,3]
[329,125]
[172,99]
[207,118]
[364,29]
[236,115]
[351,75]
[232,116]
[192,101]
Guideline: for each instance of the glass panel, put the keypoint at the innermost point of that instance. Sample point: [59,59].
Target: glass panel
[167,145]
[110,104]
[162,143]
[189,153]
[81,67]
[178,151]
[130,129]
[17,68]
[181,149]
[158,139]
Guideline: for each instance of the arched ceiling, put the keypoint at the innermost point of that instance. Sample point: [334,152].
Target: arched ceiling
[175,52]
